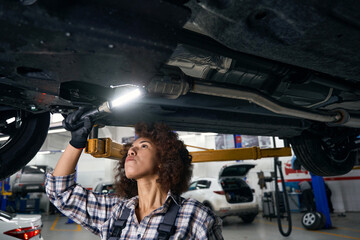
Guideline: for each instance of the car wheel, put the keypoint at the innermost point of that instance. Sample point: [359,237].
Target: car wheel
[322,220]
[323,158]
[25,136]
[249,218]
[311,220]
[23,194]
[208,205]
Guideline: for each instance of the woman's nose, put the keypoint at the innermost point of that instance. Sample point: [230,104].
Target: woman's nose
[131,152]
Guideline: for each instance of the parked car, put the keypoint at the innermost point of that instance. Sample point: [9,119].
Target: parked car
[227,195]
[273,68]
[104,187]
[20,226]
[31,178]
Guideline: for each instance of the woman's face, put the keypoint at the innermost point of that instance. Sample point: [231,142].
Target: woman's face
[141,160]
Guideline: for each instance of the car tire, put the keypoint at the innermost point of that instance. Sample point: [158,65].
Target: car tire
[319,159]
[23,194]
[208,205]
[249,218]
[311,220]
[322,220]
[24,142]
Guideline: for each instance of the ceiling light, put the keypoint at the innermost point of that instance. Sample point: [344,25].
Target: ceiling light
[59,130]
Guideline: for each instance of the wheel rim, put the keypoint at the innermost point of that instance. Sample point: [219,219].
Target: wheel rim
[337,151]
[309,219]
[11,121]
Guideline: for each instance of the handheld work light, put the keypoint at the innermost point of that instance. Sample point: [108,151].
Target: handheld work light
[128,94]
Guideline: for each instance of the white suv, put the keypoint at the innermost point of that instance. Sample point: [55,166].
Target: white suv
[228,195]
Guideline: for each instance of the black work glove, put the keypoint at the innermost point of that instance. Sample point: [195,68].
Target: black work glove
[79,129]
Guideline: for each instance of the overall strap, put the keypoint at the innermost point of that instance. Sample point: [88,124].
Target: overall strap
[120,224]
[167,226]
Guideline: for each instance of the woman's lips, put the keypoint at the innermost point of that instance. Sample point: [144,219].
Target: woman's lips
[129,159]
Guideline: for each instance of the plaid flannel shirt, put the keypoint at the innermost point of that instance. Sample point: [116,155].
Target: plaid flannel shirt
[97,212]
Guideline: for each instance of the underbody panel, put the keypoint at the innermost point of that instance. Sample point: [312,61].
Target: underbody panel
[303,55]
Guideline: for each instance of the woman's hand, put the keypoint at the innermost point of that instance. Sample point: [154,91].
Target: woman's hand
[79,133]
[80,129]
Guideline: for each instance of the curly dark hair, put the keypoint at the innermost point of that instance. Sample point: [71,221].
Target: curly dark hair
[175,169]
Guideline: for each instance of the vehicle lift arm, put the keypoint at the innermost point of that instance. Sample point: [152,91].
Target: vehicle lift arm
[106,148]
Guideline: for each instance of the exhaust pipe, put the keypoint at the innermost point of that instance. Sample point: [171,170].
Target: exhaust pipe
[338,117]
[173,88]
[263,101]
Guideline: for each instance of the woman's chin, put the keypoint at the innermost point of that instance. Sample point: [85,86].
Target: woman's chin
[130,176]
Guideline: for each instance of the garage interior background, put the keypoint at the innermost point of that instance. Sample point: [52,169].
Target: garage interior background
[91,171]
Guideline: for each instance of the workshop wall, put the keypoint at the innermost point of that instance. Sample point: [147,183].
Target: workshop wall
[345,193]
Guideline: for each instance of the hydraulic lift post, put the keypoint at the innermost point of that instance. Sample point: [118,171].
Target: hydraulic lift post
[5,186]
[320,198]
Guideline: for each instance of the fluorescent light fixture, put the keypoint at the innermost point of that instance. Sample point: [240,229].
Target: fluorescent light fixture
[44,152]
[209,134]
[126,98]
[57,130]
[50,152]
[10,120]
[56,117]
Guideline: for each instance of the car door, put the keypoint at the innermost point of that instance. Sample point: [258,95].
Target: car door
[202,190]
[32,175]
[233,181]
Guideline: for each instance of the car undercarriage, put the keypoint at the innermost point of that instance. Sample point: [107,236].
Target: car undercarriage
[274,68]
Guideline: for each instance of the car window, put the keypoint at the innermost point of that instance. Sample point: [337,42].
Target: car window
[98,188]
[108,189]
[33,170]
[203,184]
[241,170]
[6,215]
[192,186]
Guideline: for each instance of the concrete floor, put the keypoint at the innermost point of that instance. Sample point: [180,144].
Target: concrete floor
[348,227]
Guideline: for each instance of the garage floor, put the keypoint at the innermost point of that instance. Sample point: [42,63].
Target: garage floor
[348,227]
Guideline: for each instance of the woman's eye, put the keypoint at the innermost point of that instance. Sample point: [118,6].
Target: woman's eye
[144,146]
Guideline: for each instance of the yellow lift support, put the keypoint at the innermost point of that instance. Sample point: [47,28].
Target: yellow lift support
[106,148]
[3,192]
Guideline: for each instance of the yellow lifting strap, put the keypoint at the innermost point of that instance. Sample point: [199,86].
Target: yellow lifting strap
[106,148]
[3,192]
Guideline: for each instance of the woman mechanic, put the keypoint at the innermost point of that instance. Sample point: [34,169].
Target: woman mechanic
[149,180]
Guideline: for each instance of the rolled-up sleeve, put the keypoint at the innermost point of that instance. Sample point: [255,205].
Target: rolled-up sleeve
[59,184]
[206,225]
[215,229]
[84,207]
